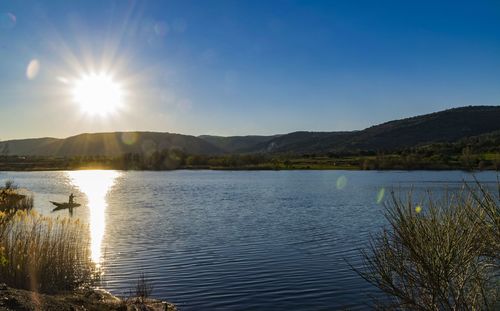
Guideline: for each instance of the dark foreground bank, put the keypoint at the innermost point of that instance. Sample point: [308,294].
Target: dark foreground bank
[85,299]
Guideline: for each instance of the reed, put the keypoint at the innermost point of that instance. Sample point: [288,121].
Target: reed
[439,255]
[44,254]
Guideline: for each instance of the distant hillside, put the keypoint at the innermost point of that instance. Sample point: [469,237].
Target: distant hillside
[447,126]
[108,144]
[305,142]
[237,144]
[25,146]
[444,126]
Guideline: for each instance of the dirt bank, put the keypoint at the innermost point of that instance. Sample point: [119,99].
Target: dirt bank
[85,299]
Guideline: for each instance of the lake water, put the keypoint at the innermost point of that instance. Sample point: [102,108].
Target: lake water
[235,240]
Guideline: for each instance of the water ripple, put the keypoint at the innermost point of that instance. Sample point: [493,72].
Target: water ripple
[241,240]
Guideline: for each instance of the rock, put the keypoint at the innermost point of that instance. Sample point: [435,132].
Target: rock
[81,300]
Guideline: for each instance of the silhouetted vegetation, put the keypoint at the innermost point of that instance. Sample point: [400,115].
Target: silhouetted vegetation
[38,253]
[478,154]
[11,200]
[438,255]
[143,288]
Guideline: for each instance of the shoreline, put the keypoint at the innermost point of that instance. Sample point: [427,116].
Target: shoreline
[82,299]
[56,169]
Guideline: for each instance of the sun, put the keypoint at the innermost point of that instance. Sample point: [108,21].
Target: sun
[97,94]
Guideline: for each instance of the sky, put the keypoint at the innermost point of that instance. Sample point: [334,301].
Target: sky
[243,67]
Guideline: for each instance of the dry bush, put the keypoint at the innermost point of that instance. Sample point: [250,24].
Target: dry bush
[441,255]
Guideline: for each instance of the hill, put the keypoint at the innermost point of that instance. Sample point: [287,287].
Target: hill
[444,126]
[108,144]
[25,146]
[448,126]
[238,144]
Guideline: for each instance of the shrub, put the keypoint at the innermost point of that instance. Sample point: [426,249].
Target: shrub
[143,288]
[44,254]
[11,200]
[442,255]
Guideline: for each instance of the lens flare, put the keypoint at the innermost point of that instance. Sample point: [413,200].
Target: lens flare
[341,182]
[380,195]
[161,28]
[33,69]
[7,20]
[129,138]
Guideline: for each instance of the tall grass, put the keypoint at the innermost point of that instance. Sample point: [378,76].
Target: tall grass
[40,253]
[45,254]
[440,255]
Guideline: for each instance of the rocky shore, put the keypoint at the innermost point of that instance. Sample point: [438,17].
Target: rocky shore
[80,300]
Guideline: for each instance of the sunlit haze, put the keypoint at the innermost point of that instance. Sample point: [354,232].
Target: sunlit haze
[240,67]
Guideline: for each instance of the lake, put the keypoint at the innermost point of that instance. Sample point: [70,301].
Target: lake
[235,240]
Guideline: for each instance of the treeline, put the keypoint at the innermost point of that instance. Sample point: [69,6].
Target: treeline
[418,161]
[481,152]
[475,153]
[176,159]
[159,160]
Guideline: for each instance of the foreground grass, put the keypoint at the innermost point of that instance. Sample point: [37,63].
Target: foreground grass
[441,255]
[39,253]
[44,254]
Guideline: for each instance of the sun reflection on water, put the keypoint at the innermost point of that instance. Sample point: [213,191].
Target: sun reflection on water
[95,184]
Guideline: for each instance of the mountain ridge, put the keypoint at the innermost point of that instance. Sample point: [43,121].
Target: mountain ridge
[443,126]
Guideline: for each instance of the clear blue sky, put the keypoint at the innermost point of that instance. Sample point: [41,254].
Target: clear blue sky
[245,67]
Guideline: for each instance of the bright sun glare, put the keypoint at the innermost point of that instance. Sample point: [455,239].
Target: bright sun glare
[97,94]
[95,185]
